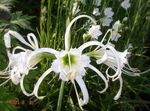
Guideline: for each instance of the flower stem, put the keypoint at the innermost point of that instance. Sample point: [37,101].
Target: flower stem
[60,96]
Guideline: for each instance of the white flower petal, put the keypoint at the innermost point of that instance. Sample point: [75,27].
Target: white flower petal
[22,87]
[33,40]
[102,76]
[37,85]
[120,89]
[17,36]
[90,43]
[108,12]
[107,21]
[84,91]
[67,37]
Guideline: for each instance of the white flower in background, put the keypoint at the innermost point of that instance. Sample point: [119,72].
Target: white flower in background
[75,8]
[98,2]
[108,16]
[115,31]
[125,4]
[96,12]
[108,12]
[107,21]
[94,31]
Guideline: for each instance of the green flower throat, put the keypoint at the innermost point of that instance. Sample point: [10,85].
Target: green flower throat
[68,60]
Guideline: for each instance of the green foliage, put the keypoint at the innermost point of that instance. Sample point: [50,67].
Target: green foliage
[5,5]
[18,20]
[4,100]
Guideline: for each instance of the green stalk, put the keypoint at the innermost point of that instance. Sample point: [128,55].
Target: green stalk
[59,103]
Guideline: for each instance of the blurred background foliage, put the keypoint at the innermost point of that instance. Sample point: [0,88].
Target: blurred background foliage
[48,20]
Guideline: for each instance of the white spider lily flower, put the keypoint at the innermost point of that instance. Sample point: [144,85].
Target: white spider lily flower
[117,61]
[18,62]
[94,31]
[125,4]
[113,59]
[71,65]
[108,12]
[115,31]
[98,2]
[96,12]
[107,21]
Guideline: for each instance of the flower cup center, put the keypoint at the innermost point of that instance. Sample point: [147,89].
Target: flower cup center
[71,75]
[68,60]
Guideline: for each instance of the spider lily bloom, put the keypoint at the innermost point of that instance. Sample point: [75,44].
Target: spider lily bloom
[18,62]
[117,61]
[71,65]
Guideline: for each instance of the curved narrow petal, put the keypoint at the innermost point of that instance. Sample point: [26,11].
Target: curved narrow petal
[33,42]
[39,51]
[109,30]
[84,91]
[104,58]
[22,87]
[118,70]
[37,85]
[101,75]
[91,43]
[120,89]
[7,40]
[67,39]
[18,47]
[17,36]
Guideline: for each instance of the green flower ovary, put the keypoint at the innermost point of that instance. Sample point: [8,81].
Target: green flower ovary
[68,60]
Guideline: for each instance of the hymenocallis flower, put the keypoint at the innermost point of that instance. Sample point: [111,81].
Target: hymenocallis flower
[20,63]
[71,65]
[115,60]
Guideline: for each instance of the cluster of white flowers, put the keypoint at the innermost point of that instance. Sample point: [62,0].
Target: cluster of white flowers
[108,16]
[70,63]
